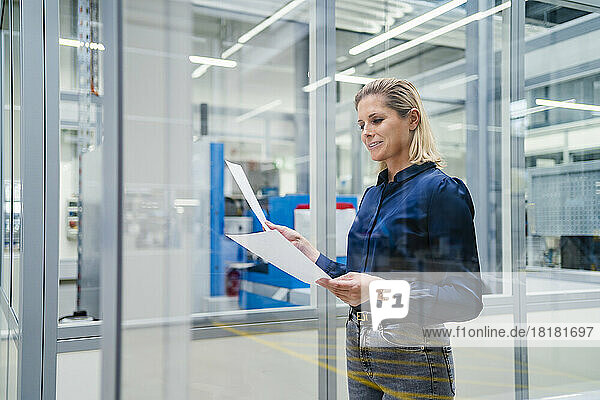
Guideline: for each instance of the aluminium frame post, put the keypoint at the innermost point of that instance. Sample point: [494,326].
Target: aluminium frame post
[32,178]
[112,187]
[323,179]
[52,197]
[517,155]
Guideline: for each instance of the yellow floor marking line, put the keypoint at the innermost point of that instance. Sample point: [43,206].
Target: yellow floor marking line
[356,377]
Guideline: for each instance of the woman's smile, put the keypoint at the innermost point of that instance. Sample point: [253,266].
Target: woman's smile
[375,144]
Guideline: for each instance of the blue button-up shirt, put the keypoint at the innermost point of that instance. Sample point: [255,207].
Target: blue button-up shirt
[422,221]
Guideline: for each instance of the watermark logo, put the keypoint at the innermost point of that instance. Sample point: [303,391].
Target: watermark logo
[389,300]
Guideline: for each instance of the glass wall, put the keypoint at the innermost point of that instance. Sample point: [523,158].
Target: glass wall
[6,146]
[11,210]
[562,88]
[222,88]
[460,72]
[81,93]
[206,82]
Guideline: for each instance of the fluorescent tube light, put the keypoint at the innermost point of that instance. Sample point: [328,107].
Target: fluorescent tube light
[438,32]
[537,109]
[269,21]
[198,72]
[231,50]
[257,111]
[317,84]
[77,43]
[392,33]
[564,104]
[97,46]
[348,71]
[217,62]
[69,42]
[201,70]
[460,81]
[361,80]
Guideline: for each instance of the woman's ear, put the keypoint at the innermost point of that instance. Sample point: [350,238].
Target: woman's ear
[414,117]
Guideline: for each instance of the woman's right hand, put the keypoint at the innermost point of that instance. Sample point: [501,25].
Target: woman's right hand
[299,241]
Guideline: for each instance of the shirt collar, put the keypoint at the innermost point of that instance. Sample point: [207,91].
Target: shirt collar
[406,173]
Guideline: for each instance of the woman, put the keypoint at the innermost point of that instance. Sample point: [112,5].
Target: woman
[418,221]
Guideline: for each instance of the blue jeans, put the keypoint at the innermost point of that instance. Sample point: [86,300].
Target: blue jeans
[381,368]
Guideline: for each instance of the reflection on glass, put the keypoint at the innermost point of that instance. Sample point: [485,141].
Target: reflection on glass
[248,104]
[561,147]
[461,89]
[3,353]
[17,211]
[8,378]
[80,162]
[13,367]
[562,155]
[6,139]
[256,115]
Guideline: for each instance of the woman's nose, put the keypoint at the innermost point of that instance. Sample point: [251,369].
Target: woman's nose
[367,132]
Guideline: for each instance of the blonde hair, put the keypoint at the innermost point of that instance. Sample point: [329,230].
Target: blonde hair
[402,96]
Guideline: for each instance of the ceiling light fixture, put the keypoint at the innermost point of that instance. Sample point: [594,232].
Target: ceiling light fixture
[269,21]
[361,80]
[392,33]
[201,70]
[198,72]
[69,42]
[438,32]
[459,81]
[564,104]
[77,43]
[339,77]
[217,62]
[348,71]
[257,111]
[317,84]
[231,50]
[537,109]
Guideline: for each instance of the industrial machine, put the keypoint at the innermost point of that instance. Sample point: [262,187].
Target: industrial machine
[563,215]
[239,275]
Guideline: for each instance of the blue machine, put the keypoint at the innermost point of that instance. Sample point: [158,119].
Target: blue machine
[217,204]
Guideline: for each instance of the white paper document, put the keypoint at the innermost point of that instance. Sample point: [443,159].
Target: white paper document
[274,248]
[271,245]
[242,181]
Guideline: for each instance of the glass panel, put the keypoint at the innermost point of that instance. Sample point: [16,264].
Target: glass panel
[457,64]
[5,168]
[249,104]
[16,159]
[256,115]
[6,154]
[182,118]
[80,51]
[13,366]
[68,47]
[3,353]
[562,153]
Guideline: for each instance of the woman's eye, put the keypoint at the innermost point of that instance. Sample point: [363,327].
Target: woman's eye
[378,120]
[360,127]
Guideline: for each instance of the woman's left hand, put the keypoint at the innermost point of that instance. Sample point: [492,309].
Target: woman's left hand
[352,288]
